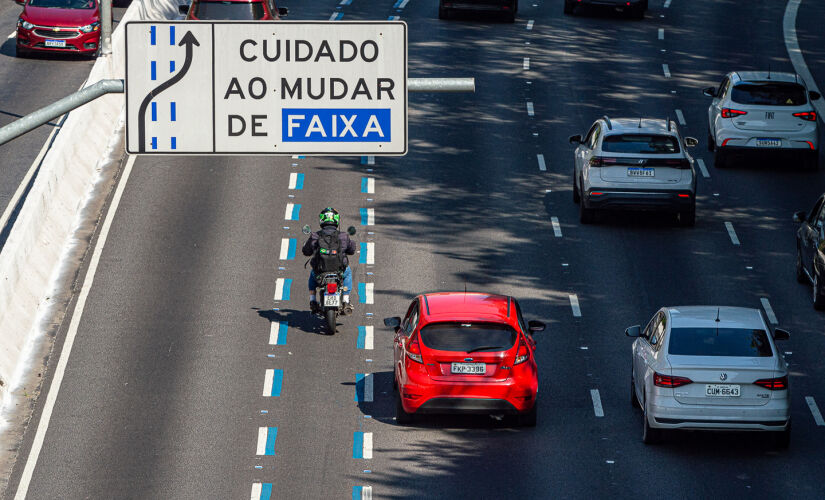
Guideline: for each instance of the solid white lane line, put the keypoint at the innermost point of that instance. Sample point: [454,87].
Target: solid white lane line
[261,448]
[335,16]
[293,180]
[542,165]
[530,111]
[268,382]
[769,311]
[403,4]
[556,226]
[526,64]
[680,117]
[574,304]
[368,337]
[368,445]
[371,185]
[795,54]
[368,288]
[370,253]
[288,211]
[597,402]
[284,248]
[733,238]
[279,289]
[703,168]
[661,33]
[815,410]
[667,3]
[666,70]
[60,370]
[370,216]
[530,24]
[13,34]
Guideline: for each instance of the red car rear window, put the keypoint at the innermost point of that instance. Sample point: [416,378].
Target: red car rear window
[468,337]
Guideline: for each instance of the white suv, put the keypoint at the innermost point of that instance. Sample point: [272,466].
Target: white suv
[761,110]
[634,163]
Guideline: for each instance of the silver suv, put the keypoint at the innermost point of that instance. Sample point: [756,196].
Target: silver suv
[635,164]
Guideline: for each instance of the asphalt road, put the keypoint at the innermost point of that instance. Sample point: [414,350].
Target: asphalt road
[27,85]
[162,396]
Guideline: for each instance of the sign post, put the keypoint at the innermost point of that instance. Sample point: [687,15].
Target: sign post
[316,88]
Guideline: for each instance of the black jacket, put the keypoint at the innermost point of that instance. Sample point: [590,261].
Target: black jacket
[347,245]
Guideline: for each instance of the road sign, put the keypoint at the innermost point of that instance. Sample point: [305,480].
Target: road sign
[326,88]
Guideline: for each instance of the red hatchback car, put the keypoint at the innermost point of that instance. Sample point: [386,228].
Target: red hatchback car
[234,10]
[460,352]
[59,26]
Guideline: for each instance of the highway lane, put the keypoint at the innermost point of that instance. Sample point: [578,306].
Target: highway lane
[163,392]
[27,85]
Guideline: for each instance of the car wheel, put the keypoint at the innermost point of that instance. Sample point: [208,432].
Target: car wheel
[812,160]
[711,143]
[586,215]
[819,299]
[510,16]
[637,13]
[687,218]
[401,416]
[634,401]
[528,419]
[23,53]
[576,197]
[568,7]
[443,13]
[719,158]
[782,439]
[801,277]
[649,434]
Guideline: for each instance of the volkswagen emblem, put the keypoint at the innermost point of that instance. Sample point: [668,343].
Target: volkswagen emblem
[723,377]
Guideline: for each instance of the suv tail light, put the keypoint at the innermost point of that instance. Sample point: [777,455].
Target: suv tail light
[774,384]
[602,161]
[681,163]
[669,381]
[808,116]
[523,353]
[413,350]
[732,113]
[332,287]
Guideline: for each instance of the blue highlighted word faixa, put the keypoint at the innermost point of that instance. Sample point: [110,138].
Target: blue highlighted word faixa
[335,125]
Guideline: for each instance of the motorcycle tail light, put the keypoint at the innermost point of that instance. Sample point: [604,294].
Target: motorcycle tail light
[332,287]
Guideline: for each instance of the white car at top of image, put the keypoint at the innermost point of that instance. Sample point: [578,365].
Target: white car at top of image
[710,368]
[761,110]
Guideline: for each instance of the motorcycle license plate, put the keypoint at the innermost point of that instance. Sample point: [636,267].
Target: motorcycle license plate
[332,300]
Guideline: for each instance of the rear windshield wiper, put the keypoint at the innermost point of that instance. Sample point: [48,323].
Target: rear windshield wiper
[485,347]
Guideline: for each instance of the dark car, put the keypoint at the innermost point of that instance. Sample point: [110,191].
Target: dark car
[810,250]
[59,26]
[636,8]
[233,10]
[508,7]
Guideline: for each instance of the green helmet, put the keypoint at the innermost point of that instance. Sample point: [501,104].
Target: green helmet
[329,216]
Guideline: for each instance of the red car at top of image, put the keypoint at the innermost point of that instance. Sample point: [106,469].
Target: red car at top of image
[233,10]
[459,352]
[59,26]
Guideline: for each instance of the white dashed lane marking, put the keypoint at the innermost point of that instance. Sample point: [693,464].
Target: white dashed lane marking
[667,3]
[13,34]
[666,70]
[815,410]
[530,111]
[661,33]
[597,402]
[703,168]
[556,226]
[733,238]
[542,165]
[769,311]
[574,305]
[526,64]
[680,117]
[530,24]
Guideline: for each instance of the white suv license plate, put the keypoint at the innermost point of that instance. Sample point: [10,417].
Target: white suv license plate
[332,300]
[641,172]
[468,368]
[769,143]
[55,43]
[722,391]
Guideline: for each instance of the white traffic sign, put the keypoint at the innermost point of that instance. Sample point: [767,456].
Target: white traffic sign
[325,88]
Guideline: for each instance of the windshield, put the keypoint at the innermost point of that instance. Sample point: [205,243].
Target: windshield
[719,342]
[228,10]
[769,94]
[640,144]
[465,337]
[64,4]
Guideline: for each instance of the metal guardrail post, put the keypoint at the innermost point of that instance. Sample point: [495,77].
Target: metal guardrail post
[46,114]
[105,27]
[441,84]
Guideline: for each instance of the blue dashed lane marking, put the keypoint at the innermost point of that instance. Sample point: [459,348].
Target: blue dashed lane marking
[261,491]
[362,293]
[154,142]
[173,111]
[277,380]
[174,142]
[153,35]
[361,492]
[171,66]
[153,69]
[154,111]
[362,255]
[171,35]
[266,440]
[280,334]
[282,286]
[364,219]
[295,212]
[358,445]
[364,184]
[290,249]
[362,337]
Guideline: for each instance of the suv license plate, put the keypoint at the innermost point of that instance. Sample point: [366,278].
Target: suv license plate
[55,43]
[722,391]
[641,172]
[469,368]
[769,143]
[332,300]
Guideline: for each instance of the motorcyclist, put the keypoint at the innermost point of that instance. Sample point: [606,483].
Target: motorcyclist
[329,220]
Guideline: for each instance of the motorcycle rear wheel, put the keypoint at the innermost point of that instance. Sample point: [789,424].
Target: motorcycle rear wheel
[331,323]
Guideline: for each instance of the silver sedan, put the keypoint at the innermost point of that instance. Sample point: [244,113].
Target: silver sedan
[712,368]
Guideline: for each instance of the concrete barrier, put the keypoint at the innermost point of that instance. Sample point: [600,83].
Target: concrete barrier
[46,230]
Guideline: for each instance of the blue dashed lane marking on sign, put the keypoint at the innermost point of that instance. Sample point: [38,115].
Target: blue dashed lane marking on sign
[174,143]
[173,115]
[154,111]
[171,66]
[154,142]
[152,35]
[171,35]
[153,68]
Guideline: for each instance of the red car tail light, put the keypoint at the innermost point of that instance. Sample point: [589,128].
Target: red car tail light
[732,113]
[414,351]
[809,116]
[669,381]
[683,195]
[523,353]
[774,384]
[332,287]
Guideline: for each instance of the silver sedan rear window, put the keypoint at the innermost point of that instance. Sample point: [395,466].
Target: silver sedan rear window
[640,144]
[719,342]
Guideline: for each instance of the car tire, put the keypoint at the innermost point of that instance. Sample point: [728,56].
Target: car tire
[576,197]
[811,161]
[528,419]
[711,143]
[719,158]
[637,13]
[782,439]
[568,7]
[801,277]
[687,218]
[401,416]
[443,13]
[22,53]
[650,435]
[586,215]
[818,297]
[634,401]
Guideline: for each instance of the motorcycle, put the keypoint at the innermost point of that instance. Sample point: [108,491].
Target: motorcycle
[331,303]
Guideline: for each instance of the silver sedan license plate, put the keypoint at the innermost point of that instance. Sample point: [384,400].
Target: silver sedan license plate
[722,391]
[641,172]
[468,368]
[769,143]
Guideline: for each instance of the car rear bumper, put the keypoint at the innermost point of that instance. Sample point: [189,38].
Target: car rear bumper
[489,5]
[669,414]
[733,139]
[467,405]
[85,43]
[619,5]
[505,397]
[638,200]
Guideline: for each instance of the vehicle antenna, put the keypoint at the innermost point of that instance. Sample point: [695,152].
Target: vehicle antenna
[717,315]
[769,71]
[640,122]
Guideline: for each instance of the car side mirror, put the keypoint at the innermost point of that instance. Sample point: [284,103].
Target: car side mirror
[633,331]
[351,230]
[183,10]
[799,216]
[283,11]
[781,334]
[575,139]
[306,229]
[394,322]
[535,326]
[710,92]
[691,142]
[814,95]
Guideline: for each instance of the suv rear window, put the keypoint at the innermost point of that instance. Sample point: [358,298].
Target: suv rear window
[228,10]
[719,342]
[466,337]
[769,94]
[640,144]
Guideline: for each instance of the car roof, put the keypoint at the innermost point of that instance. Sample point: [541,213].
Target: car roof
[705,317]
[631,125]
[466,305]
[762,76]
